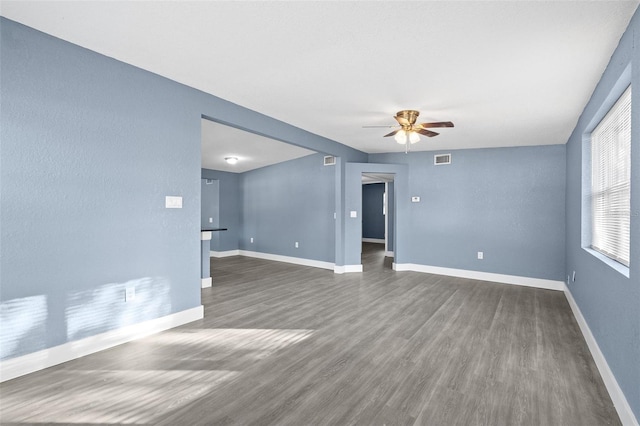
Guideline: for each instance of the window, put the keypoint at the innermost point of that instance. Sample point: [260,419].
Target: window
[611,182]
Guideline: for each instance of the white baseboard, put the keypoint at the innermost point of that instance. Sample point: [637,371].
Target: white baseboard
[373,240]
[347,268]
[227,253]
[388,254]
[206,282]
[617,396]
[483,276]
[288,259]
[19,366]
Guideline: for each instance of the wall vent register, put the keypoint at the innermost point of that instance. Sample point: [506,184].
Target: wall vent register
[441,159]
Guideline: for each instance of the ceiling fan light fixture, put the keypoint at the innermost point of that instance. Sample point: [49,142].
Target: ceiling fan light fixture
[413,137]
[401,137]
[231,160]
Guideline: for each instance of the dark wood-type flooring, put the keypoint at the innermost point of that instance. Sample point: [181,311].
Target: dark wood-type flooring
[282,344]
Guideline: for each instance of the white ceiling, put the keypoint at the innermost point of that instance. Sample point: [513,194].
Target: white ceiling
[507,73]
[252,151]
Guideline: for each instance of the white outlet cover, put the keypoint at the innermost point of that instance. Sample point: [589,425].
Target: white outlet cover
[210,220]
[353,213]
[129,294]
[415,199]
[480,255]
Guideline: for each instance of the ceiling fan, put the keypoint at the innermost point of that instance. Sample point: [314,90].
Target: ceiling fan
[409,131]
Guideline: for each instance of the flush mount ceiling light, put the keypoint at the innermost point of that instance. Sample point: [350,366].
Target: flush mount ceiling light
[231,160]
[409,132]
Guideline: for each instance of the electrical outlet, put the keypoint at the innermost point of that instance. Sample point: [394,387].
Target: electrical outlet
[296,244]
[252,239]
[210,220]
[480,255]
[129,294]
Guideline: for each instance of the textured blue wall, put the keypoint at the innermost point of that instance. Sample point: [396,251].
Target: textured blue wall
[505,202]
[229,212]
[209,203]
[90,148]
[289,202]
[609,301]
[372,217]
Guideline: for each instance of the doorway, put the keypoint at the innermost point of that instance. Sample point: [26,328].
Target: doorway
[378,220]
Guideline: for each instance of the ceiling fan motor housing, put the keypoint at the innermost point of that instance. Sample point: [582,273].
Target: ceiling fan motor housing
[408,114]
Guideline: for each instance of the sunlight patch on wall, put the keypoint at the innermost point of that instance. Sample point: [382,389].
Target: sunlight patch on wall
[110,397]
[98,310]
[23,324]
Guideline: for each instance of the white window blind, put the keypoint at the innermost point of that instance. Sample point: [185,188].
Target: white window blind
[611,181]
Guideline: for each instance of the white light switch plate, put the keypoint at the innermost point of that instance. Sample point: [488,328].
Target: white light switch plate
[173,202]
[415,199]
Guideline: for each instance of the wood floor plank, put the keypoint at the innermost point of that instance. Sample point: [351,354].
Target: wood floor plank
[285,344]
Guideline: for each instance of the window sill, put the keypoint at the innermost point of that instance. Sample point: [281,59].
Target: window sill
[619,267]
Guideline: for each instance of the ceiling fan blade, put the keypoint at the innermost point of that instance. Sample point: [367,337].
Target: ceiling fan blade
[427,132]
[392,133]
[437,124]
[402,121]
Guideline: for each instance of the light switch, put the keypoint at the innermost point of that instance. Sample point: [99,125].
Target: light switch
[173,202]
[353,213]
[415,199]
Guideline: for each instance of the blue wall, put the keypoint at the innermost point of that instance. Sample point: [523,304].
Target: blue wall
[608,300]
[505,202]
[90,148]
[289,202]
[228,208]
[209,203]
[372,217]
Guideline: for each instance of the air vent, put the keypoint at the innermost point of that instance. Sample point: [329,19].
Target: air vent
[442,159]
[329,160]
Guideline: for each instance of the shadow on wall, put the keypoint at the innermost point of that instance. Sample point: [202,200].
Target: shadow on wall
[89,312]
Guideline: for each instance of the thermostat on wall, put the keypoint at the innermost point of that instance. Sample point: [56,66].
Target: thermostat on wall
[415,199]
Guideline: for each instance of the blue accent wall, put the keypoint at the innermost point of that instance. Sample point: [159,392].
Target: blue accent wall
[288,202]
[372,217]
[228,207]
[505,202]
[209,203]
[90,148]
[608,300]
